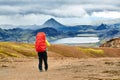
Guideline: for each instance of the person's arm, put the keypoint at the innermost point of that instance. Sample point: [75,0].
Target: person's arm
[48,44]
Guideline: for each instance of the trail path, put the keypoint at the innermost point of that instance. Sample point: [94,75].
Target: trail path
[62,69]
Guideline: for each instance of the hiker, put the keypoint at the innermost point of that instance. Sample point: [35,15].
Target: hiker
[41,46]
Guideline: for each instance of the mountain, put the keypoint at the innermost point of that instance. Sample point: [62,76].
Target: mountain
[28,35]
[117,25]
[106,32]
[53,23]
[49,31]
[102,27]
[15,34]
[109,34]
[56,30]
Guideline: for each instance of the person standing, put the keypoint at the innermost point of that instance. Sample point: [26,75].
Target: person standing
[41,44]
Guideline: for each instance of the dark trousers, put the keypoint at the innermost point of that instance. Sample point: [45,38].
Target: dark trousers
[42,57]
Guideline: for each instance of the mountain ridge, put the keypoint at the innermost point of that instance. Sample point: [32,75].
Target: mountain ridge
[104,31]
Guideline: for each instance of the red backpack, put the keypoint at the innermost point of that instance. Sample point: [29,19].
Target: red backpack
[40,43]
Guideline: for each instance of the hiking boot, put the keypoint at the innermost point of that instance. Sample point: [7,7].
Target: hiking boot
[45,69]
[41,70]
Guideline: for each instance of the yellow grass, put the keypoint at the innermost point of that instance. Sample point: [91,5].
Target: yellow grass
[14,49]
[92,52]
[67,51]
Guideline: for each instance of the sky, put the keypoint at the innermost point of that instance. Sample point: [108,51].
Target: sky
[67,12]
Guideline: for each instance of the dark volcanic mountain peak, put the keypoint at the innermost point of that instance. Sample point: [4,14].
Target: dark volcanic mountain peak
[52,23]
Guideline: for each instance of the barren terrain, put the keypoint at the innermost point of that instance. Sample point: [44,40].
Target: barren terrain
[65,63]
[62,69]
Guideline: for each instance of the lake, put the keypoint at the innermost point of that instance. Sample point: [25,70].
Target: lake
[76,40]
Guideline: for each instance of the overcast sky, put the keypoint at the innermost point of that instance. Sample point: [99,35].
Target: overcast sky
[67,12]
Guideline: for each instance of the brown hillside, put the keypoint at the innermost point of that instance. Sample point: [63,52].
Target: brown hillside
[19,50]
[114,43]
[61,65]
[16,49]
[84,52]
[67,51]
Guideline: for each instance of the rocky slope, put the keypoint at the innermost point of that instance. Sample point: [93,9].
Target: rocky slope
[114,43]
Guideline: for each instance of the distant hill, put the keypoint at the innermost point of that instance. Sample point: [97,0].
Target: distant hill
[53,24]
[109,34]
[102,27]
[48,30]
[56,30]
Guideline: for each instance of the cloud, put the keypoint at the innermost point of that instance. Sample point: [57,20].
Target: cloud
[107,14]
[90,8]
[50,6]
[9,10]
[67,11]
[75,21]
[70,12]
[24,19]
[62,11]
